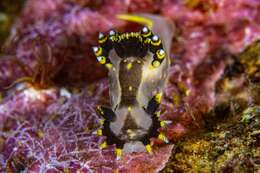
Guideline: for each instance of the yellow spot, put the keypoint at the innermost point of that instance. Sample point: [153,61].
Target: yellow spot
[130,88]
[137,19]
[109,65]
[101,122]
[99,132]
[158,113]
[129,66]
[103,145]
[129,108]
[156,64]
[158,97]
[149,149]
[118,152]
[101,59]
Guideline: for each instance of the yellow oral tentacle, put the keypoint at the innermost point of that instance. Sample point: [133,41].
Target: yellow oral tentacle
[137,19]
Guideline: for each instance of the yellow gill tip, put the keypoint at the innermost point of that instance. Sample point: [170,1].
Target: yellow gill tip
[103,145]
[149,149]
[99,132]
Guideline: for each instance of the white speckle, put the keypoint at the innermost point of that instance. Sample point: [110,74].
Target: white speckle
[65,93]
[112,32]
[99,58]
[161,52]
[100,35]
[155,38]
[145,29]
[3,109]
[95,48]
[32,94]
[247,31]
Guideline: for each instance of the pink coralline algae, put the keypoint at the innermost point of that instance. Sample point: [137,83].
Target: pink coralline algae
[51,83]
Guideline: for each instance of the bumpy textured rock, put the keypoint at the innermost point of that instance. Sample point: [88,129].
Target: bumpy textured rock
[54,83]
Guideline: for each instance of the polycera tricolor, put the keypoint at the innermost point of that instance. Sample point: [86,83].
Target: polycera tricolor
[138,64]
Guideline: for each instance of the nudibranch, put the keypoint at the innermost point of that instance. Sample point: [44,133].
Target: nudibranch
[138,64]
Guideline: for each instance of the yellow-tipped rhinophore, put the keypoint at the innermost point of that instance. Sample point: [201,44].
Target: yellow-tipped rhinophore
[149,149]
[103,145]
[137,19]
[118,152]
[162,137]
